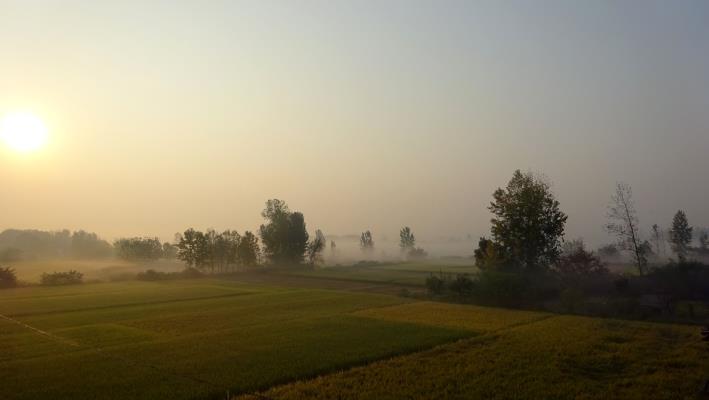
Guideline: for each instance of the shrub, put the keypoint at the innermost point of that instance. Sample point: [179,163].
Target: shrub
[417,253]
[504,288]
[435,284]
[62,278]
[8,278]
[152,275]
[462,285]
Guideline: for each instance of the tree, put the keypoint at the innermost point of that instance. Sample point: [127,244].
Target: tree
[89,245]
[8,278]
[527,224]
[169,251]
[315,248]
[407,239]
[284,235]
[608,251]
[577,262]
[658,238]
[489,255]
[138,249]
[623,223]
[193,249]
[62,278]
[248,250]
[680,235]
[704,240]
[366,243]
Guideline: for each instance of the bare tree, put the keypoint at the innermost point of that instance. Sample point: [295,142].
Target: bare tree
[623,223]
[658,239]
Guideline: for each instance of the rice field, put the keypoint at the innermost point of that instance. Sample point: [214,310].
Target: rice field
[209,339]
[189,339]
[404,273]
[523,355]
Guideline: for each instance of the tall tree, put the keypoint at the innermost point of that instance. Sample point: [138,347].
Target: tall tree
[315,248]
[658,239]
[527,224]
[680,235]
[284,235]
[248,249]
[366,243]
[623,223]
[704,240]
[407,240]
[193,249]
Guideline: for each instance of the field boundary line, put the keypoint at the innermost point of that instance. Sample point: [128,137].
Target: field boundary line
[123,305]
[479,337]
[41,332]
[100,351]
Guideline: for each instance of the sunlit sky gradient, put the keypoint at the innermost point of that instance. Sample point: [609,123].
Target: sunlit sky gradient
[363,115]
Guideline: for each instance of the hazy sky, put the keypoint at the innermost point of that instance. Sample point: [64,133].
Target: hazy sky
[362,115]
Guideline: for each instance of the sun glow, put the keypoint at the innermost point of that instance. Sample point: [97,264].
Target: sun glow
[23,131]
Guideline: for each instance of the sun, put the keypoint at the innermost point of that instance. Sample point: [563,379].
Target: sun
[23,131]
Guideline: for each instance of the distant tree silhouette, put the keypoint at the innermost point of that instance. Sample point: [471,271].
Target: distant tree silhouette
[407,240]
[8,278]
[169,251]
[704,241]
[284,235]
[138,249]
[248,250]
[366,243]
[623,223]
[658,239]
[680,235]
[315,248]
[527,225]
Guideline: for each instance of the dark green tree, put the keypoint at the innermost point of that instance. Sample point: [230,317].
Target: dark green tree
[680,235]
[284,235]
[527,224]
[248,250]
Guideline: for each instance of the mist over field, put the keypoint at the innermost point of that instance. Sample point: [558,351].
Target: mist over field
[354,200]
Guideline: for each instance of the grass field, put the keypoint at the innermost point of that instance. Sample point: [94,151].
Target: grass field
[199,339]
[103,269]
[405,273]
[522,355]
[189,339]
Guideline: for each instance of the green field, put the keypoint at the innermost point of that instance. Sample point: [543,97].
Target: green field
[189,339]
[405,273]
[206,338]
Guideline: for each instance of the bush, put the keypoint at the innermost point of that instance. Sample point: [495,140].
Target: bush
[417,253]
[152,275]
[62,278]
[462,285]
[435,285]
[8,278]
[502,288]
